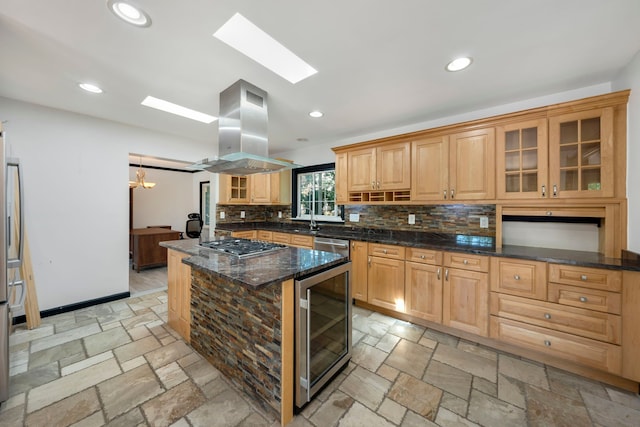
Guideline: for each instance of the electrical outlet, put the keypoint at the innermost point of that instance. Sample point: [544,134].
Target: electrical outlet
[412,219]
[279,214]
[242,214]
[484,222]
[354,217]
[221,215]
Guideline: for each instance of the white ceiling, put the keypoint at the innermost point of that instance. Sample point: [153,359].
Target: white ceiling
[380,63]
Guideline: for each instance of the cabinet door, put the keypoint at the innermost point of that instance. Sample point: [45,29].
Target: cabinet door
[261,188]
[521,161]
[386,283]
[358,256]
[423,291]
[179,294]
[393,167]
[472,165]
[466,301]
[361,169]
[342,193]
[430,169]
[581,154]
[234,189]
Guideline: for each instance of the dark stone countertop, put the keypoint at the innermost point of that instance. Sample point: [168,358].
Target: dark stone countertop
[442,241]
[259,270]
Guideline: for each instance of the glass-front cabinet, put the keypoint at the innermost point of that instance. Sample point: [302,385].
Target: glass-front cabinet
[522,160]
[581,154]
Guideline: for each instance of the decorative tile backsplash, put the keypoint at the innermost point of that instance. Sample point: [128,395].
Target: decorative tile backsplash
[453,219]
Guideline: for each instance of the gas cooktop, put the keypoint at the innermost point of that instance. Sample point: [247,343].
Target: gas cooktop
[242,247]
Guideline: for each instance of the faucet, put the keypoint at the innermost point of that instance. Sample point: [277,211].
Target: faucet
[312,225]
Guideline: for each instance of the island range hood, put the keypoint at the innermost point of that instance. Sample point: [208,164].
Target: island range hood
[243,147]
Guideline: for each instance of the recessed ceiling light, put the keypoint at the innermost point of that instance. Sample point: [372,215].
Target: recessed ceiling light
[176,109]
[90,87]
[458,64]
[244,36]
[316,114]
[129,13]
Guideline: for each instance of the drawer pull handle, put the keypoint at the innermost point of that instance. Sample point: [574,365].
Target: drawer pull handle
[422,257]
[446,274]
[515,276]
[438,274]
[547,343]
[584,299]
[583,277]
[547,316]
[465,262]
[384,251]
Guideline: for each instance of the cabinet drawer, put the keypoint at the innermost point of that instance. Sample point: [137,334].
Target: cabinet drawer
[517,277]
[593,299]
[586,323]
[424,256]
[281,238]
[584,351]
[302,241]
[595,278]
[466,261]
[250,234]
[265,236]
[386,251]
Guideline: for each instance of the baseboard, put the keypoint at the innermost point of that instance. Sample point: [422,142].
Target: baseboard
[75,306]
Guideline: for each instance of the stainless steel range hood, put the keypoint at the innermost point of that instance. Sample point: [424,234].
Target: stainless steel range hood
[243,143]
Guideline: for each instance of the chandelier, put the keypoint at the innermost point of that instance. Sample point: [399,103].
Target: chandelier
[140,182]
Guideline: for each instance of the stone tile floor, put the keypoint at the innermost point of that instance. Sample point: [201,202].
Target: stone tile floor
[118,364]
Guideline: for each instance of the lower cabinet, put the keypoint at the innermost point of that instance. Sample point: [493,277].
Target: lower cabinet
[385,276]
[358,255]
[423,291]
[465,298]
[179,294]
[245,234]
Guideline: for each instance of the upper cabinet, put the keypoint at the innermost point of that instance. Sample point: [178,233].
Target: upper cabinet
[379,168]
[581,154]
[258,189]
[521,161]
[570,151]
[454,167]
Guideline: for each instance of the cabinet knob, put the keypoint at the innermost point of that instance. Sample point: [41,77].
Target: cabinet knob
[445,194]
[584,299]
[353,245]
[373,185]
[544,191]
[422,257]
[547,316]
[583,277]
[549,213]
[555,190]
[547,343]
[452,193]
[515,276]
[384,251]
[465,262]
[378,185]
[369,261]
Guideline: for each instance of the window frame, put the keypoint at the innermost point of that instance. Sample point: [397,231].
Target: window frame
[205,188]
[295,203]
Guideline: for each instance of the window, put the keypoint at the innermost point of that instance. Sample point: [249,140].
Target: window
[205,202]
[314,190]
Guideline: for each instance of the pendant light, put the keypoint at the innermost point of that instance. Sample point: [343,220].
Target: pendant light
[140,182]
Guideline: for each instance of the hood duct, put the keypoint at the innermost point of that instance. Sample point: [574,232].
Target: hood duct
[243,143]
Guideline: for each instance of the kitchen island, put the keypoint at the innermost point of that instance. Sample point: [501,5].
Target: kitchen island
[242,316]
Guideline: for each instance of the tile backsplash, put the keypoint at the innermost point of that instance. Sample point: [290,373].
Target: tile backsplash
[453,219]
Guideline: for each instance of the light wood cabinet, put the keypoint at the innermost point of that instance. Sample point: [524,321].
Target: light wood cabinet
[423,291]
[342,192]
[581,155]
[519,277]
[522,160]
[359,254]
[258,189]
[245,234]
[264,235]
[385,276]
[460,166]
[386,167]
[466,301]
[179,294]
[301,241]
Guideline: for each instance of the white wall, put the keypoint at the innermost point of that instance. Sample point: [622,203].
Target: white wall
[76,196]
[629,78]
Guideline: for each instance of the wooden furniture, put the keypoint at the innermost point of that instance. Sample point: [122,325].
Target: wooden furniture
[179,294]
[146,250]
[358,254]
[259,189]
[290,239]
[423,284]
[385,276]
[245,234]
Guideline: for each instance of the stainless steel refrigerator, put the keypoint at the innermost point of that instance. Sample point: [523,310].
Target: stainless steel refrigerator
[11,244]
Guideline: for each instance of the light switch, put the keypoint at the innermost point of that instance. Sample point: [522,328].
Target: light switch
[484,222]
[279,214]
[221,215]
[354,217]
[412,219]
[242,214]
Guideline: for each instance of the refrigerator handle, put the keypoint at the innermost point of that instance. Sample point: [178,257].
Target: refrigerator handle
[16,163]
[23,294]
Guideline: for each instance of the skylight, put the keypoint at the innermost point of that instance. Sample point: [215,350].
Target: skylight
[169,107]
[244,36]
